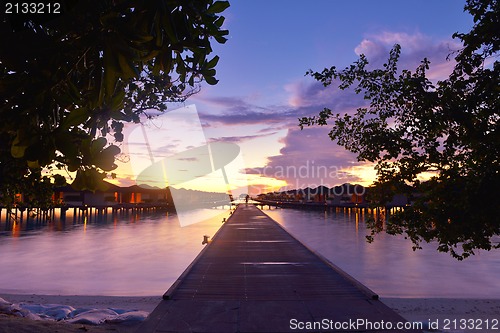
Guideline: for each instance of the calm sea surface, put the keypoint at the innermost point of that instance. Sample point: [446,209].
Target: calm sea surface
[145,255]
[389,266]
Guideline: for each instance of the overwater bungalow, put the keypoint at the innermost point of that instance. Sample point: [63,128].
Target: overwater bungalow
[346,194]
[114,195]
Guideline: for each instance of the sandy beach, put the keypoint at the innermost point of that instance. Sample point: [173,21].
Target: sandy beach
[413,309]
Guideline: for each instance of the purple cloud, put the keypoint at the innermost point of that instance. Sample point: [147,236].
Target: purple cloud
[414,48]
[310,159]
[249,117]
[237,111]
[309,97]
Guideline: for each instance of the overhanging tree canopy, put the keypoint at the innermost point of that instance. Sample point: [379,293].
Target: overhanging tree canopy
[413,125]
[67,81]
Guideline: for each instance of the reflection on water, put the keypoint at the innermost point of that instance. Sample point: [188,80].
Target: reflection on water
[389,266]
[127,255]
[134,255]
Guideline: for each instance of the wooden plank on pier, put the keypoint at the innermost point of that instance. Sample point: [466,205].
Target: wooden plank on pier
[255,277]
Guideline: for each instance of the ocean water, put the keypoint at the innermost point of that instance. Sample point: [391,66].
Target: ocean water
[143,255]
[125,256]
[389,266]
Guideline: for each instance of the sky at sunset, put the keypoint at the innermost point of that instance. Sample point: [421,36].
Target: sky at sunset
[262,90]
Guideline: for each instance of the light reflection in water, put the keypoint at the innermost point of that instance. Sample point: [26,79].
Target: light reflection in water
[389,266]
[126,256]
[144,255]
[16,229]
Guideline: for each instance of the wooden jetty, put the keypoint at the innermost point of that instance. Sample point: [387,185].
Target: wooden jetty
[255,277]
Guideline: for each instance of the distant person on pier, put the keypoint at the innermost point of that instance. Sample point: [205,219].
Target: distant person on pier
[246,199]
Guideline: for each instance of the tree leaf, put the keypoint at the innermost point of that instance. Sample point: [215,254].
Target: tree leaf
[211,80]
[18,149]
[75,117]
[212,63]
[97,145]
[59,180]
[106,158]
[220,39]
[128,69]
[80,181]
[218,7]
[33,164]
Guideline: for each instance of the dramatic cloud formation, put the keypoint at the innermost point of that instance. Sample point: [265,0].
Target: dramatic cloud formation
[309,157]
[277,153]
[414,48]
[248,117]
[237,111]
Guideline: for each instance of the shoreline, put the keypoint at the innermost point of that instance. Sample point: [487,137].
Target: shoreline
[425,309]
[412,309]
[141,303]
[10,323]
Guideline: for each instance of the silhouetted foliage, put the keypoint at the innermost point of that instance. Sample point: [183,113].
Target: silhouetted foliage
[413,125]
[69,81]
